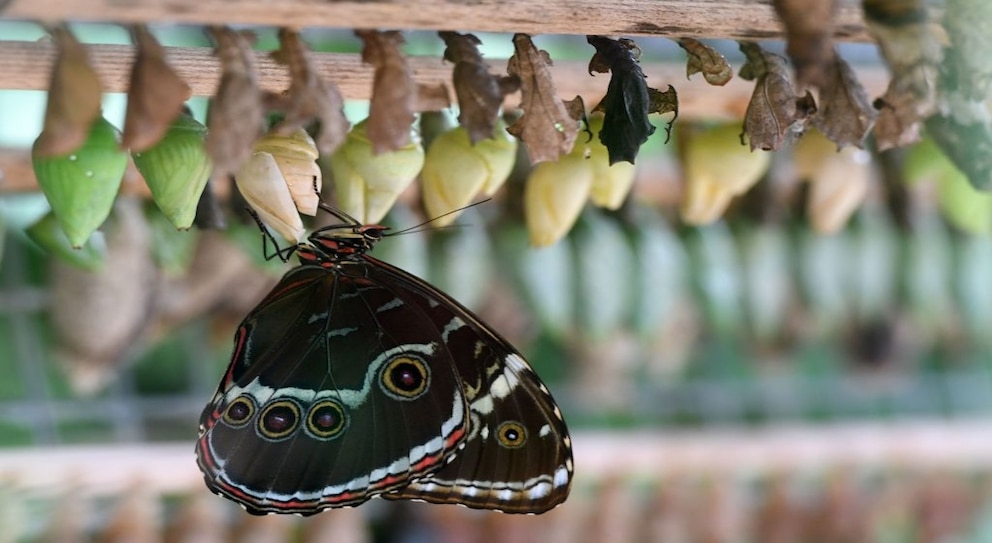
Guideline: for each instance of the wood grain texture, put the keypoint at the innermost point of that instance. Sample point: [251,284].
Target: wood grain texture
[732,19]
[26,66]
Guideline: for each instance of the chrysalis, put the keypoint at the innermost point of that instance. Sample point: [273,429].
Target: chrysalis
[81,185]
[176,170]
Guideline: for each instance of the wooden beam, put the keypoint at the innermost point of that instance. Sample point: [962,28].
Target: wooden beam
[912,444]
[732,19]
[26,66]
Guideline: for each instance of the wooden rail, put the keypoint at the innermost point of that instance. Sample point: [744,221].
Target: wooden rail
[170,468]
[26,65]
[733,19]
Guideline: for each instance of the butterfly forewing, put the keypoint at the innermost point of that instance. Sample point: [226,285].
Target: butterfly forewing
[334,395]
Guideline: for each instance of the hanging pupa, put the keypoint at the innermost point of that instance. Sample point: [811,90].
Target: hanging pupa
[74,94]
[81,185]
[611,183]
[455,170]
[156,94]
[176,170]
[368,184]
[280,180]
[296,157]
[48,234]
[717,167]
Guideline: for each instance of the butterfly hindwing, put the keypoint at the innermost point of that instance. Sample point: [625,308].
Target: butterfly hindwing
[517,457]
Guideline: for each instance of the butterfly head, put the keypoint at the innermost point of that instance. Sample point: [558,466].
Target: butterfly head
[329,246]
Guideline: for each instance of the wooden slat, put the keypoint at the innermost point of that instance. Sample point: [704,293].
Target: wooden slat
[734,19]
[918,444]
[26,65]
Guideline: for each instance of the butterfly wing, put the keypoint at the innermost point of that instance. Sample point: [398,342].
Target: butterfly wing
[518,456]
[338,390]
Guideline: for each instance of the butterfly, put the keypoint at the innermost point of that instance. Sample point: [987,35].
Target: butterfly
[353,379]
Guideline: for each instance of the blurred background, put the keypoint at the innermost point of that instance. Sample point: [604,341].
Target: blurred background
[768,377]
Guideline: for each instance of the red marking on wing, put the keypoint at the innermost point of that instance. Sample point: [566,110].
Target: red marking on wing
[296,505]
[240,340]
[283,287]
[207,461]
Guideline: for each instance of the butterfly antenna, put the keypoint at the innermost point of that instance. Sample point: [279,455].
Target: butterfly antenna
[339,213]
[415,227]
